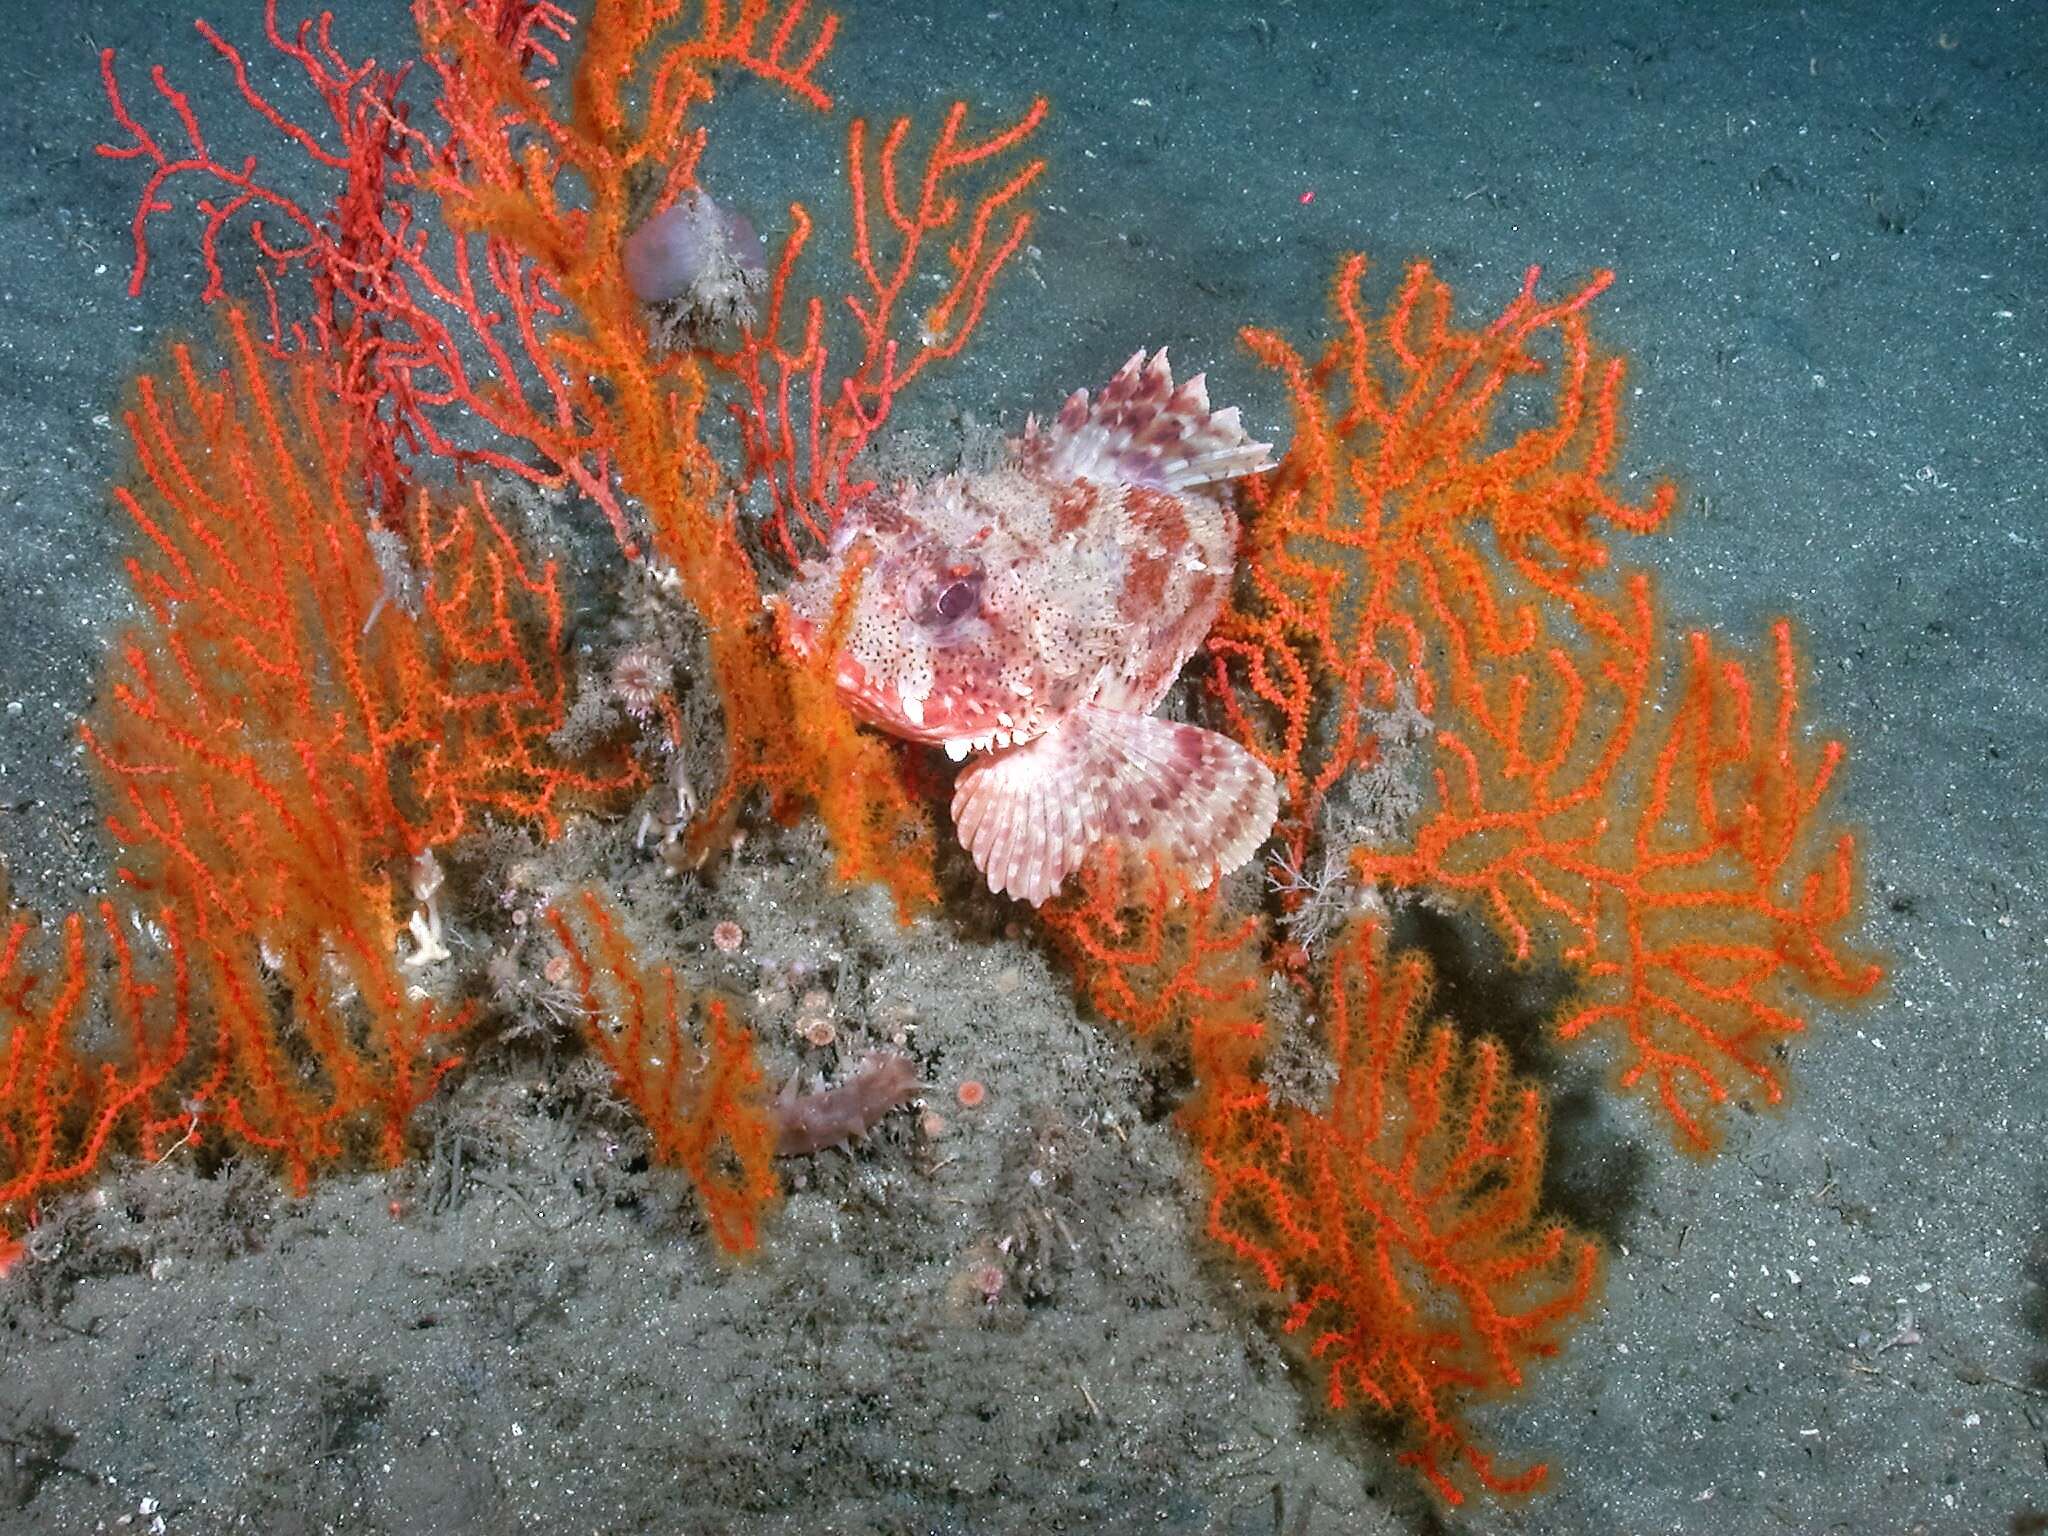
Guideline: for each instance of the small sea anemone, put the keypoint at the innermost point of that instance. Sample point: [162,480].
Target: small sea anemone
[640,676]
[820,1032]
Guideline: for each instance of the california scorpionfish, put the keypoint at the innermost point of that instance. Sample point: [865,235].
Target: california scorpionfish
[1031,618]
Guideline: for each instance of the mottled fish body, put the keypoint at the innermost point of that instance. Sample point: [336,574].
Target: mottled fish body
[1029,619]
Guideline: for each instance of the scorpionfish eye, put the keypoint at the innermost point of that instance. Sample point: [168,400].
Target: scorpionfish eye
[952,594]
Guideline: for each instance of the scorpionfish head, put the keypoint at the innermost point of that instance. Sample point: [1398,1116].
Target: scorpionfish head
[948,629]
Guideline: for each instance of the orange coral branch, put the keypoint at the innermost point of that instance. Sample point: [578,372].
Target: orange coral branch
[1402,1219]
[1154,952]
[802,448]
[525,324]
[1370,547]
[60,1105]
[703,1104]
[639,411]
[1403,551]
[300,717]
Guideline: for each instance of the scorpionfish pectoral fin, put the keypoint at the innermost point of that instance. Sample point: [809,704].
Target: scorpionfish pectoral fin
[1029,815]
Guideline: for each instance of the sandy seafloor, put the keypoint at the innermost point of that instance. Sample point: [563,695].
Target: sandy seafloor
[1828,224]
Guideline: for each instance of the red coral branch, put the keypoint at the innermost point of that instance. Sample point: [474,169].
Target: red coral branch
[802,424]
[447,344]
[412,324]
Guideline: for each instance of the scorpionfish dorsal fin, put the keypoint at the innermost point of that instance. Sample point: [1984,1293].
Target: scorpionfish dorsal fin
[1142,430]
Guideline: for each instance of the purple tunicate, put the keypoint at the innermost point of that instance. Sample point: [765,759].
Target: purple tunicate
[685,246]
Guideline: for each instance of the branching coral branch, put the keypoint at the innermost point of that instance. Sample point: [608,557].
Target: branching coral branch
[1665,829]
[1375,550]
[1677,852]
[435,342]
[61,1103]
[702,1102]
[285,734]
[640,410]
[517,345]
[802,422]
[1401,1222]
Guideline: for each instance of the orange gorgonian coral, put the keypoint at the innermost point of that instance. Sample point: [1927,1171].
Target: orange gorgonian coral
[1401,1220]
[344,664]
[700,1093]
[515,346]
[1659,826]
